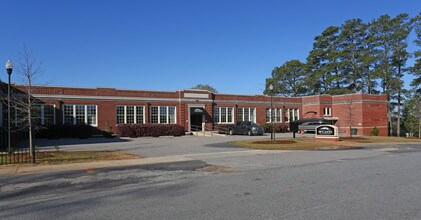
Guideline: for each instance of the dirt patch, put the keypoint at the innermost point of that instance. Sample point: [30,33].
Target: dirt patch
[275,142]
[356,139]
[216,169]
[67,157]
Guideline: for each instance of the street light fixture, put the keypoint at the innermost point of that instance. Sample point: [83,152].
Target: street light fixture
[9,69]
[272,134]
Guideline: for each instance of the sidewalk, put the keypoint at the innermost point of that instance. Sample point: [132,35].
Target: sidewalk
[29,169]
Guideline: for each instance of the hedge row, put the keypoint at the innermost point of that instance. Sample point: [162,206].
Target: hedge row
[65,131]
[278,127]
[149,130]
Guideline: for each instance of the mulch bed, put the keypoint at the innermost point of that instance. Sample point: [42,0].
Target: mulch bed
[275,142]
[355,139]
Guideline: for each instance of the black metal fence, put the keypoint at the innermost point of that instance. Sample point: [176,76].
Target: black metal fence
[18,151]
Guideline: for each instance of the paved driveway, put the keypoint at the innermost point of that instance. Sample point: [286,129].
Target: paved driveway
[153,147]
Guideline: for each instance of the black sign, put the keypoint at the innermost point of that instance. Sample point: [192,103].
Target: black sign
[325,130]
[197,111]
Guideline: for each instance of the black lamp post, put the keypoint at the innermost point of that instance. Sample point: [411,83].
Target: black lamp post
[9,69]
[272,134]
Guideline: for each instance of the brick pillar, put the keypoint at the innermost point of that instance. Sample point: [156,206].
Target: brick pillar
[148,113]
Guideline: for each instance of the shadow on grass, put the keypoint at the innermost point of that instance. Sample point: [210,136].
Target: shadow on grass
[44,142]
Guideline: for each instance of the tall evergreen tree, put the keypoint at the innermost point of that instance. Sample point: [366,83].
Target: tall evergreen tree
[205,87]
[288,78]
[351,44]
[382,31]
[390,37]
[369,60]
[416,69]
[323,64]
[412,114]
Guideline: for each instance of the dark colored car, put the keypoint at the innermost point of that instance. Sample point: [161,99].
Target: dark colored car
[245,127]
[310,126]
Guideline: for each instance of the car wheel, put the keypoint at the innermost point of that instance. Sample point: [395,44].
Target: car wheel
[249,133]
[231,132]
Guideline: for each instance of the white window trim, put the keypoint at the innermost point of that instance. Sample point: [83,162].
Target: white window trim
[86,113]
[220,115]
[276,110]
[249,114]
[167,115]
[327,111]
[42,108]
[134,113]
[125,114]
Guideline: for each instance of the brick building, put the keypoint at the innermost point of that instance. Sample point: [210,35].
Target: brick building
[104,107]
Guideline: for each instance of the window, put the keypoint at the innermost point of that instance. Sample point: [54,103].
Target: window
[293,114]
[154,114]
[327,111]
[246,114]
[130,114]
[171,114]
[216,115]
[163,114]
[277,112]
[139,116]
[80,114]
[223,115]
[45,114]
[120,115]
[68,115]
[91,114]
[290,115]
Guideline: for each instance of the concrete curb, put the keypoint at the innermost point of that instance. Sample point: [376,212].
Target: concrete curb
[28,169]
[17,170]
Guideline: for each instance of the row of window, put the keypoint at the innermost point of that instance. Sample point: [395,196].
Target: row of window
[130,114]
[41,114]
[80,114]
[125,114]
[225,115]
[45,114]
[87,114]
[278,115]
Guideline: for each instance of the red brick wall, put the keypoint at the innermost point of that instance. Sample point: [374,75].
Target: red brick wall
[368,111]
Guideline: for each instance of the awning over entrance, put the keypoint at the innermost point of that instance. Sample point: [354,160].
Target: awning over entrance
[197,111]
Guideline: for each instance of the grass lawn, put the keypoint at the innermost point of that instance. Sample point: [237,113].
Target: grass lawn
[313,144]
[66,157]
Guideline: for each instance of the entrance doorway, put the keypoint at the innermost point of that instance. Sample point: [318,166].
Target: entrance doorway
[196,122]
[197,118]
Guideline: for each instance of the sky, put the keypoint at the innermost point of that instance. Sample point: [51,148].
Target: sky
[170,45]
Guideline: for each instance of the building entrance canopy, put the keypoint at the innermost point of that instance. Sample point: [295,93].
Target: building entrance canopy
[197,111]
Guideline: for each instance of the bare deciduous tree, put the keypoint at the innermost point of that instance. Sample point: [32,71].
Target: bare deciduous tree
[348,107]
[29,69]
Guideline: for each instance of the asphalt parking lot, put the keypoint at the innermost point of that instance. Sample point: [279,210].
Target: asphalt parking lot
[379,182]
[156,147]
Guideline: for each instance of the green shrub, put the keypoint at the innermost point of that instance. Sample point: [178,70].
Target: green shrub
[375,131]
[277,127]
[149,130]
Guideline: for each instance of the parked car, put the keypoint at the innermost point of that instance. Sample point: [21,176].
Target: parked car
[310,126]
[245,127]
